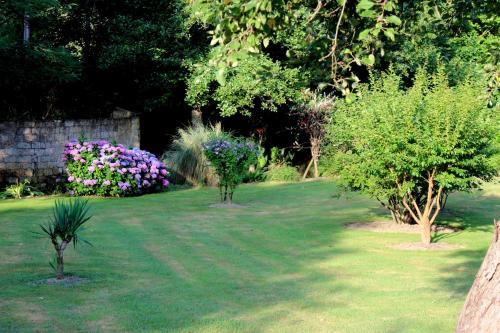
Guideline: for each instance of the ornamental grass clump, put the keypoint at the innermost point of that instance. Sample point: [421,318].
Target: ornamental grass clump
[105,169]
[186,156]
[231,158]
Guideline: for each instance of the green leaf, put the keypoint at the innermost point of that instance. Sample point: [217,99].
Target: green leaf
[364,4]
[375,32]
[363,34]
[350,98]
[389,33]
[371,57]
[393,19]
[389,6]
[369,61]
[368,13]
[220,77]
[213,41]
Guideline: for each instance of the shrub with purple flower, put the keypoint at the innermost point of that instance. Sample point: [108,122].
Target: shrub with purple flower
[231,158]
[102,168]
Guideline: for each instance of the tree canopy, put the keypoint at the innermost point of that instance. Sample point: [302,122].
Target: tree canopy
[412,147]
[229,58]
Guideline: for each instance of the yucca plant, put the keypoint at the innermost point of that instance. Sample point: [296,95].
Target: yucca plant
[186,156]
[66,221]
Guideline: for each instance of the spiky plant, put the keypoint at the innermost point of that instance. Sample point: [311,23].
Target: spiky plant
[67,219]
[186,157]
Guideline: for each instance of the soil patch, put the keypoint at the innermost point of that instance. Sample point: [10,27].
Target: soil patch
[227,205]
[67,281]
[419,246]
[389,226]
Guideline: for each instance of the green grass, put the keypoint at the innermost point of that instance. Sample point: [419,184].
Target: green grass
[169,262]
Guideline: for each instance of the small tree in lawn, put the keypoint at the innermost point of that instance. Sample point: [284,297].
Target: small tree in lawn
[314,114]
[231,158]
[410,148]
[63,227]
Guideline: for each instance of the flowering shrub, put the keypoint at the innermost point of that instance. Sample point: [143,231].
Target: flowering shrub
[230,157]
[105,169]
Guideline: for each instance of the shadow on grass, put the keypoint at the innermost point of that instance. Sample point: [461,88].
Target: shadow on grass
[460,275]
[471,212]
[476,216]
[168,262]
[227,273]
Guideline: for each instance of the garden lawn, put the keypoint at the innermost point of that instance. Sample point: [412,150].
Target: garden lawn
[284,263]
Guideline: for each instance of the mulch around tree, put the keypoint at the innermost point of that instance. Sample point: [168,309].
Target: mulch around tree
[227,205]
[67,281]
[390,226]
[419,246]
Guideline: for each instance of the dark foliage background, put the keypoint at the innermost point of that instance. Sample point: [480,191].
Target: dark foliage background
[85,58]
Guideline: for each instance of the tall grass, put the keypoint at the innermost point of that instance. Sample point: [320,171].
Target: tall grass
[186,157]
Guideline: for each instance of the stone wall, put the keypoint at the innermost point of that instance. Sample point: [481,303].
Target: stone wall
[33,149]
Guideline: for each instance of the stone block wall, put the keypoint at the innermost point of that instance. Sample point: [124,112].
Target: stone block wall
[33,149]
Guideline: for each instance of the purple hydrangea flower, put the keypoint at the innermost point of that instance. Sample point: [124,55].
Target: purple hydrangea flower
[123,185]
[117,159]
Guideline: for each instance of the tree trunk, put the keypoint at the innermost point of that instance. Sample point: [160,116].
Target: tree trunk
[407,219]
[316,172]
[426,215]
[60,265]
[196,116]
[426,230]
[400,215]
[401,218]
[307,169]
[315,151]
[481,312]
[26,28]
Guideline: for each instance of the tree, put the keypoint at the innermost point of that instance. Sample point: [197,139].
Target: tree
[230,158]
[314,114]
[481,312]
[84,58]
[414,146]
[33,70]
[256,81]
[462,36]
[329,41]
[67,220]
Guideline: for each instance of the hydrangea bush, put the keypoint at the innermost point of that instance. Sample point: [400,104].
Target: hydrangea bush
[105,169]
[231,158]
